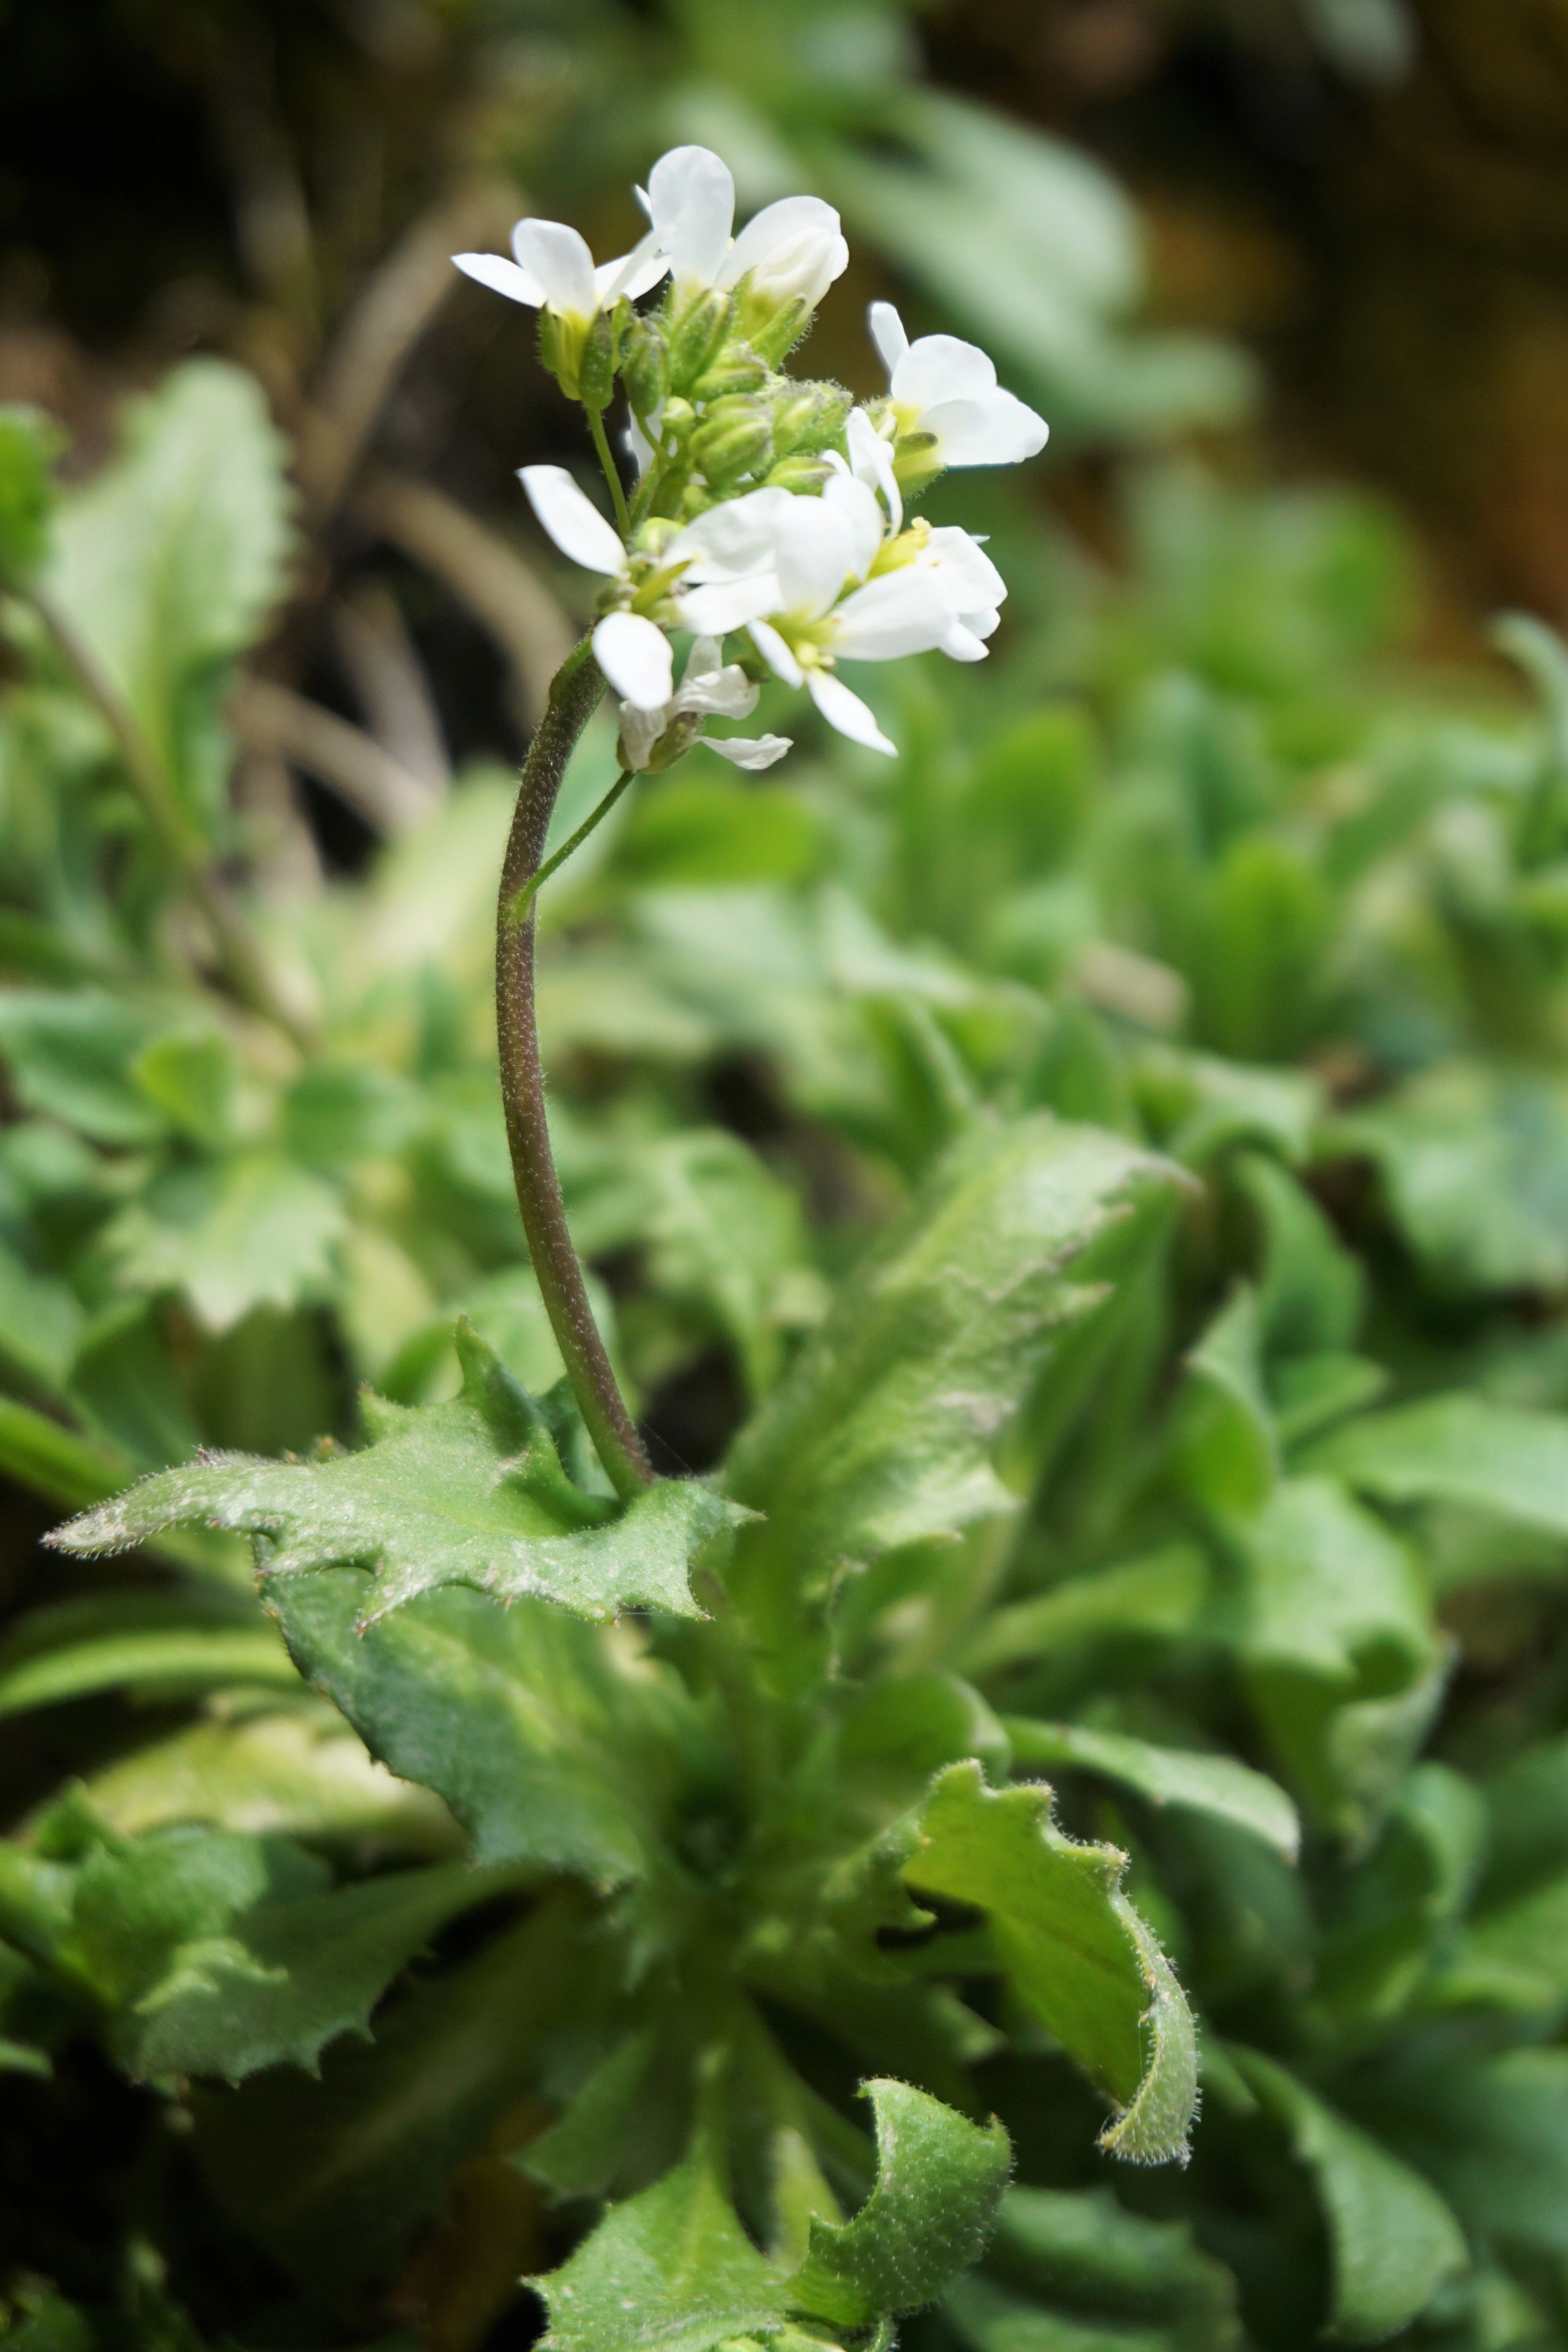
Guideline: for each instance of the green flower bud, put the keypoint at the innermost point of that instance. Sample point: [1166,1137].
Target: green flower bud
[695,338]
[774,333]
[680,417]
[655,535]
[802,473]
[737,369]
[733,439]
[810,417]
[645,369]
[561,341]
[915,460]
[596,368]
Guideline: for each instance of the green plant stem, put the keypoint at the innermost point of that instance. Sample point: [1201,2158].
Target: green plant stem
[536,883]
[575,693]
[240,954]
[612,472]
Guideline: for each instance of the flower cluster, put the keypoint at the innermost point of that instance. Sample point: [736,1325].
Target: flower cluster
[763,503]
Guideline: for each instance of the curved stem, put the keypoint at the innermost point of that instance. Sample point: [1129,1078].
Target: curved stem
[525,897]
[573,695]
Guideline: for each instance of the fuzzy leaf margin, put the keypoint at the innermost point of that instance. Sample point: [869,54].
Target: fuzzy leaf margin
[469,1492]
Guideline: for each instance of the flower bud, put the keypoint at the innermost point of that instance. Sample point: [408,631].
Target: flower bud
[596,368]
[773,332]
[800,473]
[915,460]
[810,417]
[733,439]
[737,369]
[678,418]
[561,336]
[644,368]
[695,338]
[655,535]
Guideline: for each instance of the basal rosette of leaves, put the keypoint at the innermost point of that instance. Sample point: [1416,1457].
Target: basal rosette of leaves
[662,1895]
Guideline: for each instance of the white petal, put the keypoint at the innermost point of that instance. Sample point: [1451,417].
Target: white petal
[728,694]
[635,657]
[971,580]
[941,367]
[751,751]
[793,247]
[561,262]
[847,712]
[730,539]
[706,659]
[503,277]
[888,335]
[960,643]
[692,204]
[640,731]
[903,611]
[726,604]
[997,430]
[873,459]
[632,274]
[816,544]
[775,653]
[571,520]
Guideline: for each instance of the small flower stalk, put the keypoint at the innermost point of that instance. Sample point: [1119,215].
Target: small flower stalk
[765,511]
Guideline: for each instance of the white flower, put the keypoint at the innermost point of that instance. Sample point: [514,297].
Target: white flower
[829,610]
[632,651]
[949,389]
[708,689]
[791,250]
[555,270]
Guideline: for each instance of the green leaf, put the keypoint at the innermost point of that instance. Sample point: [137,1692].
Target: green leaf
[1310,1296]
[289,1977]
[1202,1783]
[56,1462]
[1475,1161]
[1492,2133]
[580,2154]
[136,1902]
[883,1433]
[927,2221]
[1226,1445]
[40,1324]
[1098,2280]
[300,1772]
[467,1493]
[671,2268]
[251,1230]
[518,1719]
[717,1231]
[1341,1654]
[1504,1459]
[171,558]
[1394,2241]
[29,444]
[333,2177]
[148,1642]
[1157,1601]
[1080,1958]
[71,1053]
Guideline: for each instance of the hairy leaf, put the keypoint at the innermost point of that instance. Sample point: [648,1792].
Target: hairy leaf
[467,1493]
[1501,1459]
[1080,1956]
[289,1977]
[926,2221]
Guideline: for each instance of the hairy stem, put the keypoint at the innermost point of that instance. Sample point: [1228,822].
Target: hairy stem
[573,695]
[525,897]
[240,954]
